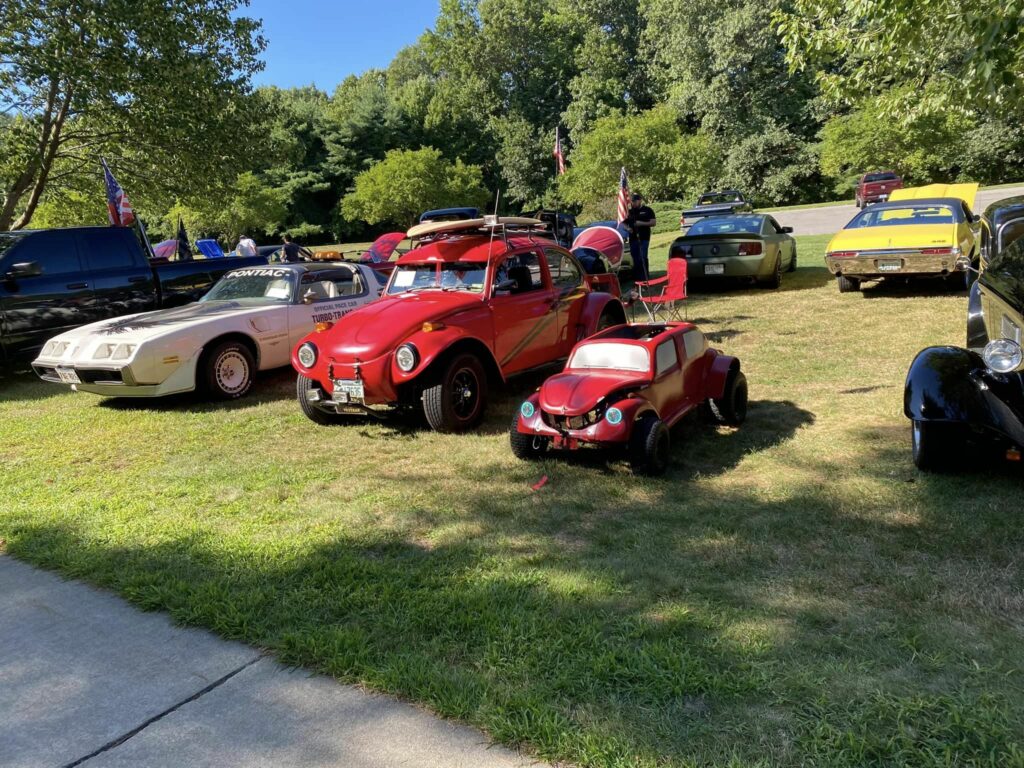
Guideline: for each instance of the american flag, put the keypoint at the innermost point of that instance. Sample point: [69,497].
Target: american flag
[559,156]
[118,207]
[623,196]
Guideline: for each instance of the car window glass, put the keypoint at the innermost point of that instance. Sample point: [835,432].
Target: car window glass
[106,250]
[724,225]
[55,252]
[342,282]
[524,269]
[1010,231]
[694,343]
[565,273]
[665,357]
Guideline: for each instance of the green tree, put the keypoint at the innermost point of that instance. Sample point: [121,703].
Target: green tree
[162,85]
[406,182]
[953,55]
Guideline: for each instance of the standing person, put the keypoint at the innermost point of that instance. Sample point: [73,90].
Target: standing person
[639,223]
[293,251]
[246,246]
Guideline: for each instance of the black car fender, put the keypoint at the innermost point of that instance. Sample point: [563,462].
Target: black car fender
[952,384]
[977,335]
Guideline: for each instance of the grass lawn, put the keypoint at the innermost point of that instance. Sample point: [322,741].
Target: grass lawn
[791,593]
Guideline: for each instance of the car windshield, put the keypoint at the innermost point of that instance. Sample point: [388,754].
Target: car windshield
[254,286]
[879,177]
[720,197]
[902,216]
[611,356]
[439,276]
[725,225]
[7,240]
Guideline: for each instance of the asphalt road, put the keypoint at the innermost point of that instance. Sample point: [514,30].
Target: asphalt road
[828,219]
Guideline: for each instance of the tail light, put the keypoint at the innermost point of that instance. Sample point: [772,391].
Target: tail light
[750,249]
[937,251]
[842,254]
[684,251]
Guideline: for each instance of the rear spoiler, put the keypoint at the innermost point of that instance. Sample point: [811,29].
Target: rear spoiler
[965,192]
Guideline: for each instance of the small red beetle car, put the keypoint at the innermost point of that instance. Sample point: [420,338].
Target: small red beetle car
[628,386]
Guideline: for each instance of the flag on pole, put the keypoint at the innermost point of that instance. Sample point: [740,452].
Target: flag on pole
[118,208]
[184,249]
[559,156]
[623,208]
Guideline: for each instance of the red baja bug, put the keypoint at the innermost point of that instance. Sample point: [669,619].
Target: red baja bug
[628,386]
[476,302]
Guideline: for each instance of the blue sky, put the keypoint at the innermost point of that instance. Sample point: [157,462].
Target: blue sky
[324,41]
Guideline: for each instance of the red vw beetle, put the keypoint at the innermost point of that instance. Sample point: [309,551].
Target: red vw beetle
[476,303]
[627,387]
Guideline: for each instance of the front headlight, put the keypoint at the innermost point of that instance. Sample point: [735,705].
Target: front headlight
[1003,355]
[406,357]
[103,351]
[613,415]
[307,355]
[527,409]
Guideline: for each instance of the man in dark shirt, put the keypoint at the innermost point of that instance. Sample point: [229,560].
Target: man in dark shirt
[639,222]
[293,251]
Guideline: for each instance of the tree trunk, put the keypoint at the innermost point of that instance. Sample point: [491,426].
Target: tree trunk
[46,164]
[28,175]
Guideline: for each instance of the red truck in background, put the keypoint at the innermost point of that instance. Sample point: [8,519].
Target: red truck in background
[876,187]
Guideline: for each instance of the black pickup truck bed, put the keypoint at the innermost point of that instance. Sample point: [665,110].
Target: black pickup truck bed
[55,279]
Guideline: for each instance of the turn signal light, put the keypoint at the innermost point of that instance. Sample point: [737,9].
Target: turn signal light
[432,326]
[325,326]
[1013,454]
[842,254]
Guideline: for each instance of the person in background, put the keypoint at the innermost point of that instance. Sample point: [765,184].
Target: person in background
[246,246]
[639,223]
[293,251]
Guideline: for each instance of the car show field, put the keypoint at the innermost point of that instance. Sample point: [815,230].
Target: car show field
[791,592]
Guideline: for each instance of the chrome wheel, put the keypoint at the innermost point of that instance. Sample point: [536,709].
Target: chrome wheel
[232,372]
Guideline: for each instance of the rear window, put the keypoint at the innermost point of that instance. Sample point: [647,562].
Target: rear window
[725,225]
[903,216]
[880,177]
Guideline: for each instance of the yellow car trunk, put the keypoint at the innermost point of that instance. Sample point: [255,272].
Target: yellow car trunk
[906,236]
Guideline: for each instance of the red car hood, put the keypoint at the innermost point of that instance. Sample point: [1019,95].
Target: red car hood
[573,394]
[379,327]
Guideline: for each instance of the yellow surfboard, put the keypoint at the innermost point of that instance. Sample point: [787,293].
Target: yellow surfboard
[461,225]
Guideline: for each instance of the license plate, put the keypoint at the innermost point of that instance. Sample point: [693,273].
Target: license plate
[714,269]
[892,265]
[68,376]
[348,390]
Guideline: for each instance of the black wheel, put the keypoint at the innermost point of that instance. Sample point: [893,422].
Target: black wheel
[935,446]
[775,280]
[649,446]
[858,202]
[525,447]
[303,386]
[227,370]
[792,262]
[847,284]
[731,407]
[456,402]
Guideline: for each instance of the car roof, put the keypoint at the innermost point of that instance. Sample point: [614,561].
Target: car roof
[1007,208]
[302,267]
[641,334]
[471,247]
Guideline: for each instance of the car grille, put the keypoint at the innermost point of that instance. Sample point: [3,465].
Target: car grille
[563,423]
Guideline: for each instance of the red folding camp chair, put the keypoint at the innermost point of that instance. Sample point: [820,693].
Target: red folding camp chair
[674,291]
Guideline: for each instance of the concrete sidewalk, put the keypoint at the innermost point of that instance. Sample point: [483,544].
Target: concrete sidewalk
[86,679]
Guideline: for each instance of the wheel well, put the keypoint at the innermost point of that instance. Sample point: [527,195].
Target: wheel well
[474,347]
[239,337]
[615,308]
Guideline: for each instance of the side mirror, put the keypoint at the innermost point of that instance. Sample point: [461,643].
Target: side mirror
[25,269]
[976,218]
[787,230]
[309,296]
[506,285]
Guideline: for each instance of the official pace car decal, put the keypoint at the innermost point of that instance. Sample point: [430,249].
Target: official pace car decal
[334,311]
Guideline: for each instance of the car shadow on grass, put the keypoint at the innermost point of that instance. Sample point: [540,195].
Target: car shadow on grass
[910,288]
[20,383]
[269,386]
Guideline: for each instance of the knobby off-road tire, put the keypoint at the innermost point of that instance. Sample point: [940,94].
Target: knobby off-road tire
[458,398]
[847,284]
[304,385]
[226,371]
[525,447]
[649,446]
[731,408]
[935,446]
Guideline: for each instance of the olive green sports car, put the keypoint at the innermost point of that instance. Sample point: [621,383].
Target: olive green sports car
[745,245]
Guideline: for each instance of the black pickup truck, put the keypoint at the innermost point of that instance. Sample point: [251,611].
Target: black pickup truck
[52,280]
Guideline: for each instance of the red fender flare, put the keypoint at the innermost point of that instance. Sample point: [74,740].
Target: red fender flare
[718,372]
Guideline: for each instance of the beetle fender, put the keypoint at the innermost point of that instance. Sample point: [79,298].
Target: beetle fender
[431,345]
[718,373]
[597,302]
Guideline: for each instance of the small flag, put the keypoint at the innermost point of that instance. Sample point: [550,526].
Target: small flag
[118,208]
[559,156]
[623,208]
[184,249]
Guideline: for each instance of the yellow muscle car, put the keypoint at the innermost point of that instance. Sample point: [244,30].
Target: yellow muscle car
[919,232]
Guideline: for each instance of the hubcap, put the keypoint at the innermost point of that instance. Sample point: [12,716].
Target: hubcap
[465,393]
[232,372]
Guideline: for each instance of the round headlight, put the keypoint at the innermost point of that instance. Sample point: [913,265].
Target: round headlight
[307,355]
[1003,355]
[526,409]
[614,415]
[406,357]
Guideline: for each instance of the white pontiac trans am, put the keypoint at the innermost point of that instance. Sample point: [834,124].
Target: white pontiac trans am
[250,320]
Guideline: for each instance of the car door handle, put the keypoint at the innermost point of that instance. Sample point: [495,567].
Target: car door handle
[75,286]
[138,279]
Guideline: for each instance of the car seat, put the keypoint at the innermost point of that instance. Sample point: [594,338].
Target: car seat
[522,276]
